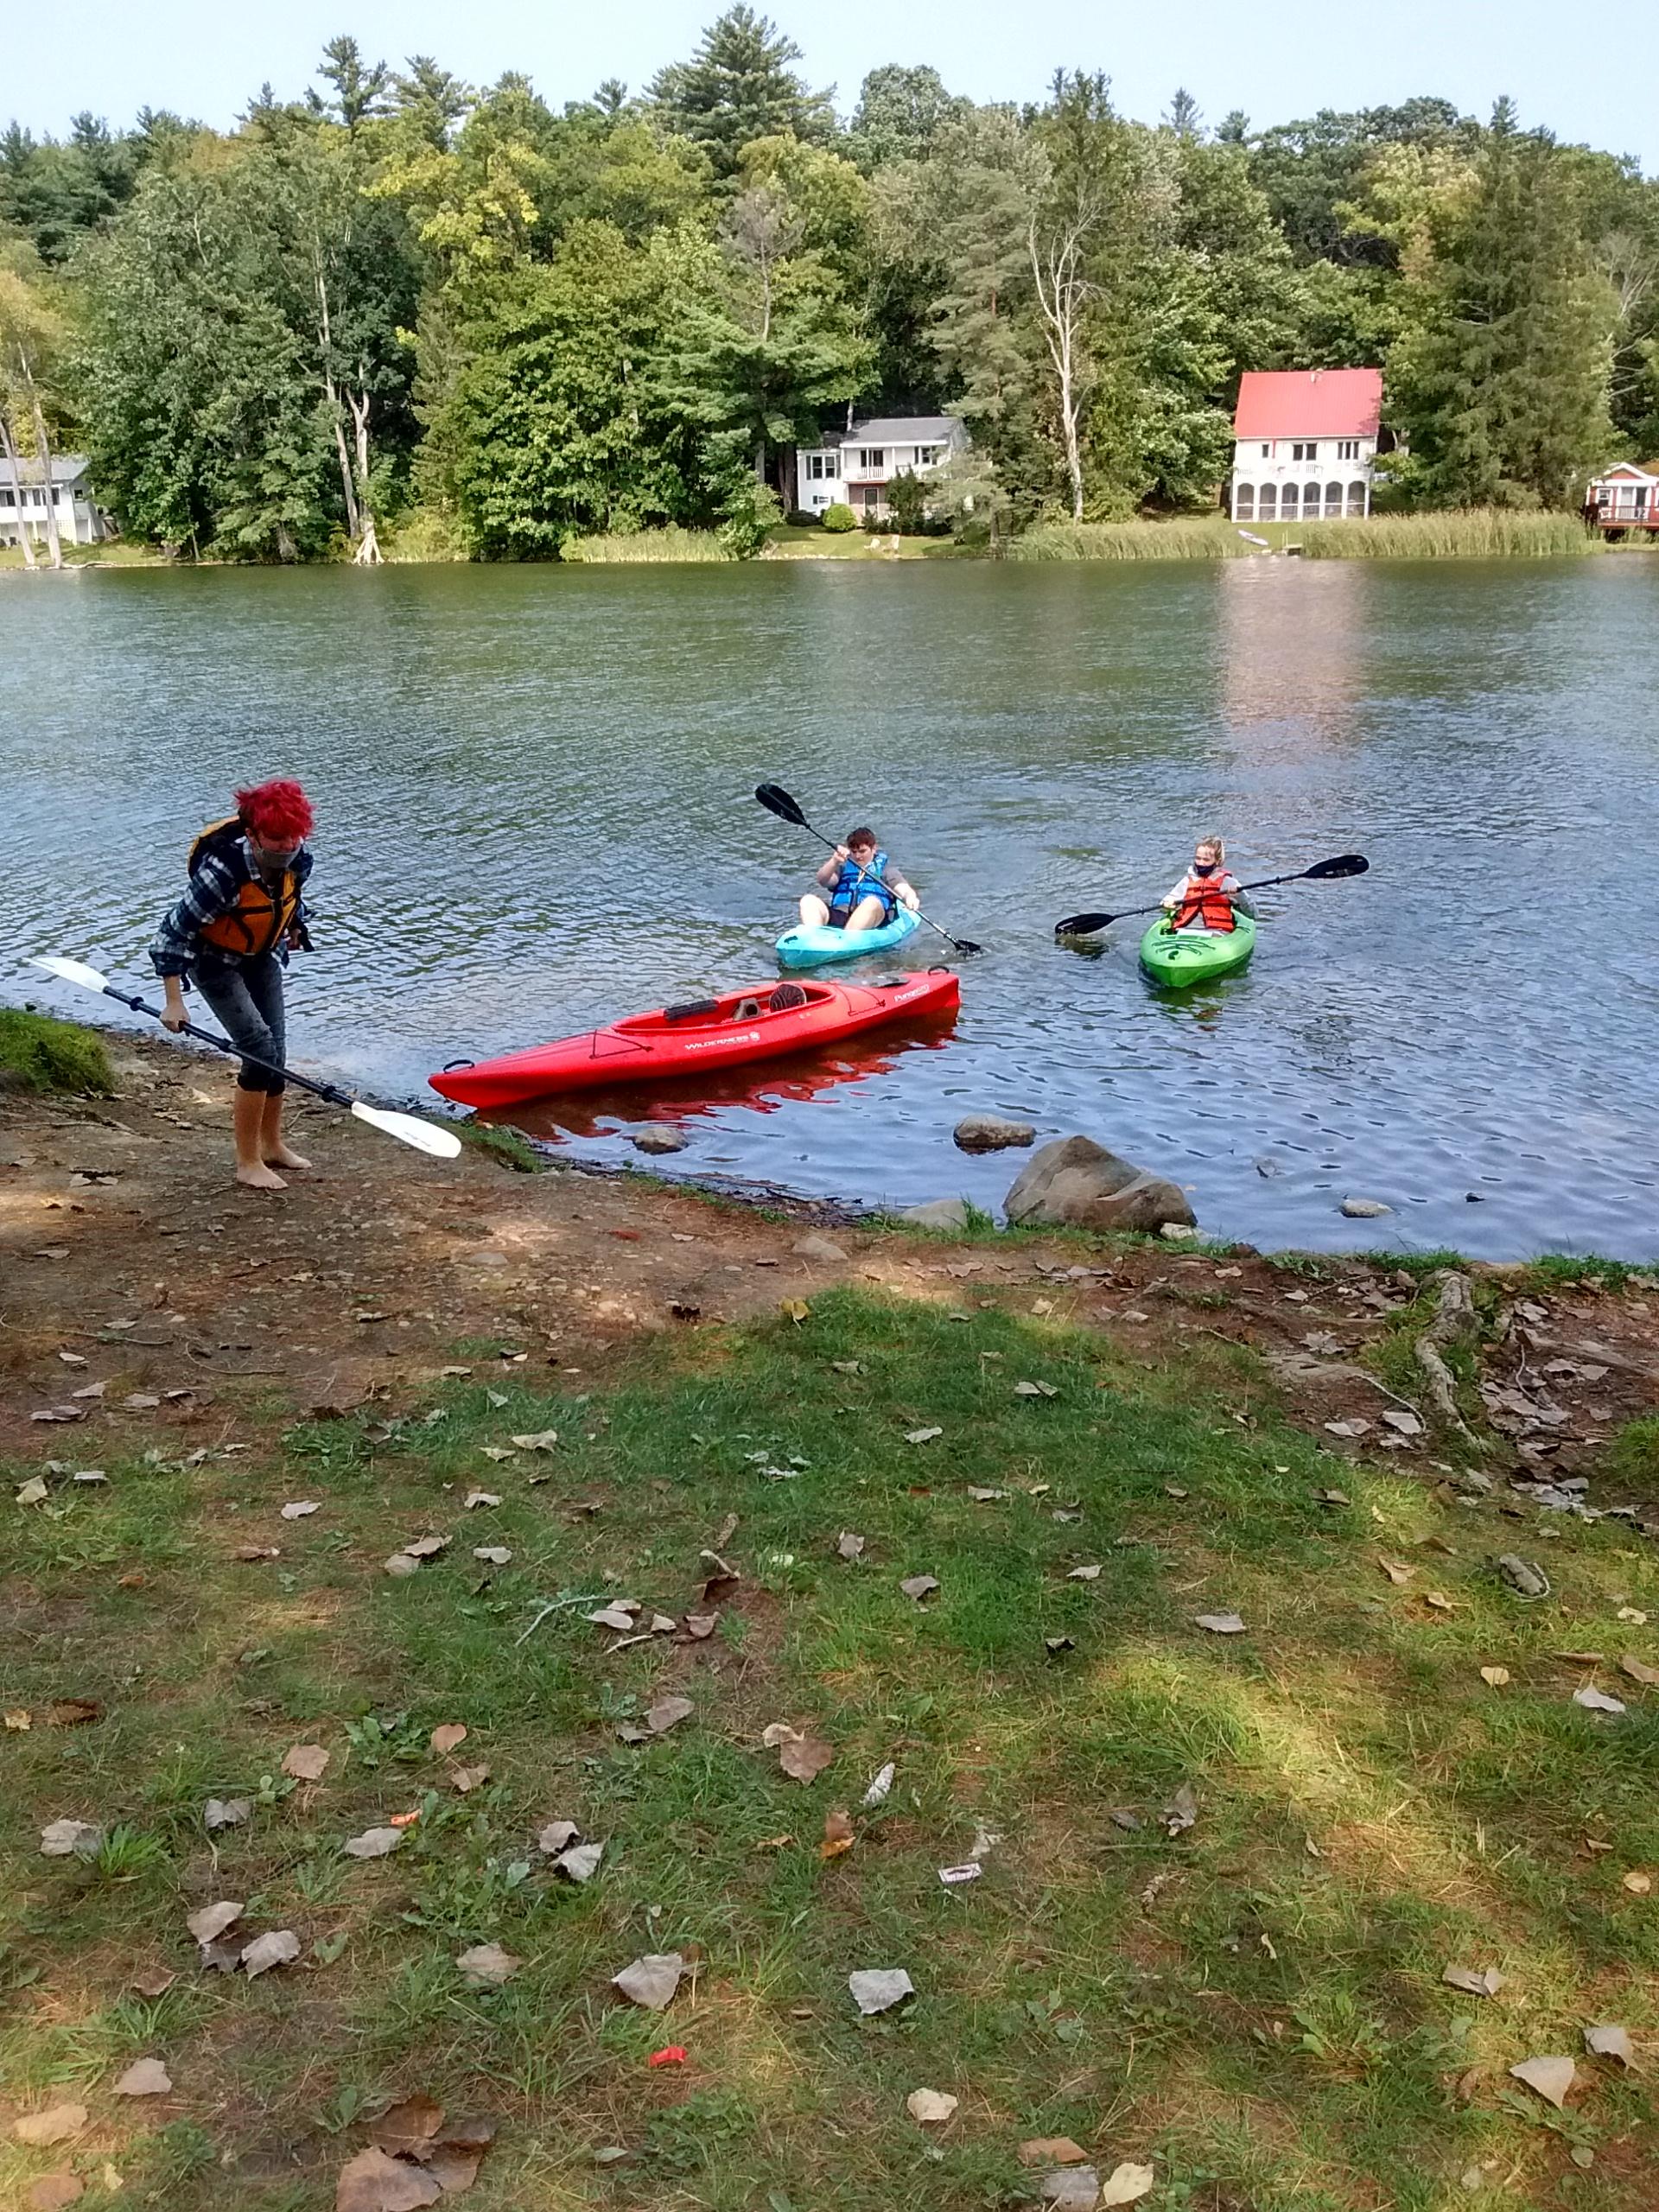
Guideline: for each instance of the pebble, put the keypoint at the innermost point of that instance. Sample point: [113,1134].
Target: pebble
[657,1139]
[1364,1209]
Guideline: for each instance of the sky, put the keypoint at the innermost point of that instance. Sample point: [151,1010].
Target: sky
[1581,68]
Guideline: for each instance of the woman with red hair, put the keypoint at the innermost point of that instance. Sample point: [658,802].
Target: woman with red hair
[231,933]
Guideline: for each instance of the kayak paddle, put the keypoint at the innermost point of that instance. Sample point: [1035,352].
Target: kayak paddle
[777,800]
[1321,872]
[425,1136]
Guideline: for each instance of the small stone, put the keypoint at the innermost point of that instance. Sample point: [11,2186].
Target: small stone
[1364,1209]
[990,1133]
[817,1247]
[938,1213]
[657,1139]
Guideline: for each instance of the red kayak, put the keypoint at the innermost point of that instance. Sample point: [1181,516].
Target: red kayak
[722,1032]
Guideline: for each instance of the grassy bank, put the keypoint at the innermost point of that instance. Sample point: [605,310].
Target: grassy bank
[1209,539]
[1482,534]
[670,544]
[1228,1872]
[37,1053]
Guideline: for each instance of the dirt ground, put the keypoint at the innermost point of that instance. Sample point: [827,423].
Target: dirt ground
[121,1231]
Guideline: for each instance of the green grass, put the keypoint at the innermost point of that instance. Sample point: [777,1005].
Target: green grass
[43,1054]
[803,541]
[1482,533]
[670,544]
[1254,2005]
[508,1148]
[1209,539]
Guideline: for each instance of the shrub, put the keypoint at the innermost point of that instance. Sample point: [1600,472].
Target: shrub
[802,518]
[41,1054]
[840,516]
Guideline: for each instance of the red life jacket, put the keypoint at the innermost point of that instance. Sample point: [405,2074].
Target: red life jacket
[1203,900]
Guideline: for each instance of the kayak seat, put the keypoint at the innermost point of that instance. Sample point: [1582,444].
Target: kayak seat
[785,998]
[691,1010]
[748,1010]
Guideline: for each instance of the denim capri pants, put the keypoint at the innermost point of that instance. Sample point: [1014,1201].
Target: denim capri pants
[247,996]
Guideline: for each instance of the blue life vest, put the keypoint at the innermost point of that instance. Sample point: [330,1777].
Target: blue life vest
[855,883]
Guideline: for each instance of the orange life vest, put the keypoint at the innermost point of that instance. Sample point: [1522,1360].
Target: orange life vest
[1203,901]
[262,916]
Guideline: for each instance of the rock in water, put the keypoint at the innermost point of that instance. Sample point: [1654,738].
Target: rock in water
[657,1139]
[1076,1182]
[938,1213]
[990,1133]
[1365,1209]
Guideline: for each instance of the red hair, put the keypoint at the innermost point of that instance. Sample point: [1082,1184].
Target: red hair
[276,813]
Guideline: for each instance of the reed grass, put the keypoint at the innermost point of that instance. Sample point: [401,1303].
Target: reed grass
[1479,533]
[671,543]
[1209,539]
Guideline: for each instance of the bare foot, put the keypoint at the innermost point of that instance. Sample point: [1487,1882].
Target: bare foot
[283,1158]
[258,1177]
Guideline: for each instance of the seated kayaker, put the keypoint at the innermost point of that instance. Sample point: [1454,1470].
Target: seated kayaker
[1207,895]
[859,887]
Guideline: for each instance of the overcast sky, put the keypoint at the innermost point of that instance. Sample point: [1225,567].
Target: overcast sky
[1584,70]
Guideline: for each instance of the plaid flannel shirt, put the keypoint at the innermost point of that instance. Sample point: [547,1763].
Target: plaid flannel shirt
[213,888]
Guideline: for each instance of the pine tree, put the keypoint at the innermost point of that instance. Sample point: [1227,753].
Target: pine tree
[1502,375]
[739,86]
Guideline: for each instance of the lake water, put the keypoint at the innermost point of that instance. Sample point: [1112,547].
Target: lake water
[532,790]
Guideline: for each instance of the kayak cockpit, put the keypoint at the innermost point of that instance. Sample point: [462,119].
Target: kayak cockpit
[745,1008]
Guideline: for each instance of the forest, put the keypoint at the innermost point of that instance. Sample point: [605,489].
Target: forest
[402,311]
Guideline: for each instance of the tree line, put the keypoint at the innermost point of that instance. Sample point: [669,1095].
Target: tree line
[404,303]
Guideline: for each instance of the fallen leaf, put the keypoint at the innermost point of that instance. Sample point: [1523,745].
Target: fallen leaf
[1083,1574]
[408,2125]
[476,1497]
[210,1924]
[850,1546]
[1051,2151]
[299,1508]
[18,1719]
[400,1563]
[56,2124]
[492,1554]
[1055,1644]
[1484,1983]
[279,1948]
[145,2077]
[668,1713]
[1221,1623]
[486,1965]
[931,2108]
[611,1617]
[1075,2190]
[1552,2077]
[152,1981]
[373,2183]
[373,1843]
[953,1877]
[652,1980]
[544,1439]
[848,1366]
[1181,1813]
[51,2192]
[879,1989]
[1595,1700]
[1126,2184]
[425,1547]
[1494,1677]
[803,1758]
[921,1435]
[981,1495]
[701,1626]
[1634,1615]
[446,1738]
[837,1835]
[881,1782]
[1405,1424]
[1396,1570]
[1357,1426]
[248,1553]
[466,1779]
[1639,1885]
[794,1309]
[32,1492]
[71,1840]
[226,1813]
[581,1862]
[1638,1671]
[306,1762]
[1610,2042]
[920,1587]
[1036,1390]
[73,1712]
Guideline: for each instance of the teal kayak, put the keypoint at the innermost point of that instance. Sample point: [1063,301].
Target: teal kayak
[1177,958]
[805,947]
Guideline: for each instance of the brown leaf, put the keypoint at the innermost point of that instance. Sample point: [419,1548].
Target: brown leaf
[805,1758]
[1610,2042]
[1485,1982]
[1551,2076]
[920,1587]
[452,2167]
[306,1762]
[425,1547]
[280,1948]
[145,2077]
[668,1713]
[1396,1570]
[837,1835]
[652,1980]
[152,1981]
[56,2124]
[850,1546]
[408,2126]
[1638,1884]
[1494,1677]
[931,2108]
[701,1626]
[445,1739]
[466,1779]
[1638,1670]
[248,1553]
[486,1965]
[71,1840]
[51,2192]
[76,1712]
[373,1843]
[1220,1624]
[1128,2184]
[373,2183]
[210,1924]
[226,1813]
[1051,2151]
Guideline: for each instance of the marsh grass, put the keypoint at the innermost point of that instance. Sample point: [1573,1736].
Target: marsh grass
[1479,534]
[1212,538]
[1255,2003]
[669,543]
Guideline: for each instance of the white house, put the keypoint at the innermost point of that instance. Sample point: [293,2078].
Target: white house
[857,467]
[1625,497]
[1304,443]
[80,521]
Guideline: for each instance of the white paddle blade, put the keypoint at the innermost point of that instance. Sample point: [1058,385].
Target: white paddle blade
[69,972]
[425,1136]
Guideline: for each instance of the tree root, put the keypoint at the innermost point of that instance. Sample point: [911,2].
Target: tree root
[1455,1322]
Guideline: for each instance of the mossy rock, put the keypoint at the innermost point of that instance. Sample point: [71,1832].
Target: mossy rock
[37,1053]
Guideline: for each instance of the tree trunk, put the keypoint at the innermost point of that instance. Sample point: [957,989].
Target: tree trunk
[368,543]
[43,450]
[326,343]
[1061,291]
[9,452]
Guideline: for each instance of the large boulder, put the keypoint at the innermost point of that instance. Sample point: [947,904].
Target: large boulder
[938,1213]
[1076,1182]
[990,1133]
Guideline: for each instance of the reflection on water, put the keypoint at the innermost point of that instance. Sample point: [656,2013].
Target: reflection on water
[532,790]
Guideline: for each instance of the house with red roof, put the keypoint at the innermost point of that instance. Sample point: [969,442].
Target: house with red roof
[1626,498]
[1304,443]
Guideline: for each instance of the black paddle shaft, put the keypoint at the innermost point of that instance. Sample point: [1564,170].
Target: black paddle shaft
[224,1045]
[777,800]
[1345,864]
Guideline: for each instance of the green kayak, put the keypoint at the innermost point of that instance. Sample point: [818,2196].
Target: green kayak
[1177,958]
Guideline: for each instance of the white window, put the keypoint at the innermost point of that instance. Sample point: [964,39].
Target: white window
[1347,449]
[1307,450]
[926,455]
[1269,501]
[820,465]
[871,457]
[1244,503]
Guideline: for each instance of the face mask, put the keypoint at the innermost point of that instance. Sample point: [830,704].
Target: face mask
[1205,867]
[274,862]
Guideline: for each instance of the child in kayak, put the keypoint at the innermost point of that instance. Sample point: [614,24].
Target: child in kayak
[1207,895]
[231,934]
[859,887]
